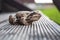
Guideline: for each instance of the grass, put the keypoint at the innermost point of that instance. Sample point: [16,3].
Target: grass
[53,14]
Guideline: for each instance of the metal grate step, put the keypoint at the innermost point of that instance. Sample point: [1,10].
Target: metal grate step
[43,29]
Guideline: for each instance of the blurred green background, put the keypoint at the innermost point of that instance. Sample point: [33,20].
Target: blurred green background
[52,13]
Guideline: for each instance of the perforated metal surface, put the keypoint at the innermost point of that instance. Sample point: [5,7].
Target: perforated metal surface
[43,29]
